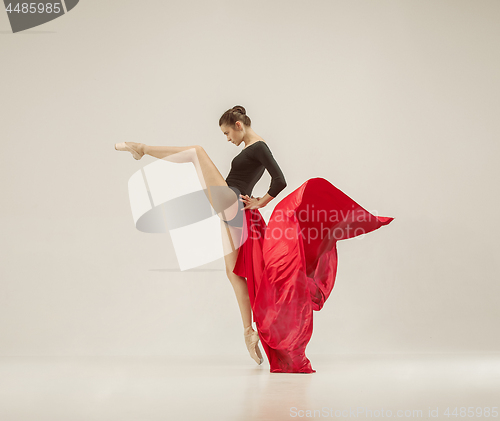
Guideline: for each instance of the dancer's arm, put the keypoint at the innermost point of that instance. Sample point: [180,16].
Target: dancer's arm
[263,154]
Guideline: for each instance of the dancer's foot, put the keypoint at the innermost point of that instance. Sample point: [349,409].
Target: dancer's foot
[136,149]
[251,341]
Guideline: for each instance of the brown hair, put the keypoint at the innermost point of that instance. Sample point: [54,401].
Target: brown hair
[237,113]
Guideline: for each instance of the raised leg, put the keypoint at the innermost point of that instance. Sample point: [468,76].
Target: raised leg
[223,200]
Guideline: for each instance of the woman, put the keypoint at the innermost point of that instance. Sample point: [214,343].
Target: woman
[278,275]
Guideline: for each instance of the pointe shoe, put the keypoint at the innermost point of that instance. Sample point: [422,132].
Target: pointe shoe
[252,343]
[128,147]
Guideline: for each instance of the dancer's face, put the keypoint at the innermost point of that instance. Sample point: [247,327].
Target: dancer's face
[234,135]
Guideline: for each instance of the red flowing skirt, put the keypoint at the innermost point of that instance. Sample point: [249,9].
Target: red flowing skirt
[290,265]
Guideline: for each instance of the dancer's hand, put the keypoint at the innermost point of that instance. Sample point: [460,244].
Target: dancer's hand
[250,202]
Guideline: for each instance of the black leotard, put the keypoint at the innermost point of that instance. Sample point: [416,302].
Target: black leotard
[248,166]
[246,169]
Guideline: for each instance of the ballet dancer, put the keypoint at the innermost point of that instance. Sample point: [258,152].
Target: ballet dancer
[279,276]
[246,170]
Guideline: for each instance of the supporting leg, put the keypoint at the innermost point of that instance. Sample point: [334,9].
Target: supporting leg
[240,289]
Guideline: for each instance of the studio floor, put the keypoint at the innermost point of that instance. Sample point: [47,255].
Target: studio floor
[429,386]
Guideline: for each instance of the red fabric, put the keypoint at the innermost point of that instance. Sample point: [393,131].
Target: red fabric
[290,265]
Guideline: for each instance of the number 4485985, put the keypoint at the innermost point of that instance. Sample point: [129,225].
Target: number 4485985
[472,411]
[34,8]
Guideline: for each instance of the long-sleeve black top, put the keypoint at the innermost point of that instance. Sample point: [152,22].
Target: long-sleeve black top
[248,166]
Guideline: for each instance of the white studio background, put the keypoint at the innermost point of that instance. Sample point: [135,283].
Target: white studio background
[396,103]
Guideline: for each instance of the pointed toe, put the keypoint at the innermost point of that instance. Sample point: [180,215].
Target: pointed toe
[127,148]
[252,341]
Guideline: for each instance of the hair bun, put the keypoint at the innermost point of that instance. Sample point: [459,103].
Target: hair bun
[232,115]
[239,109]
